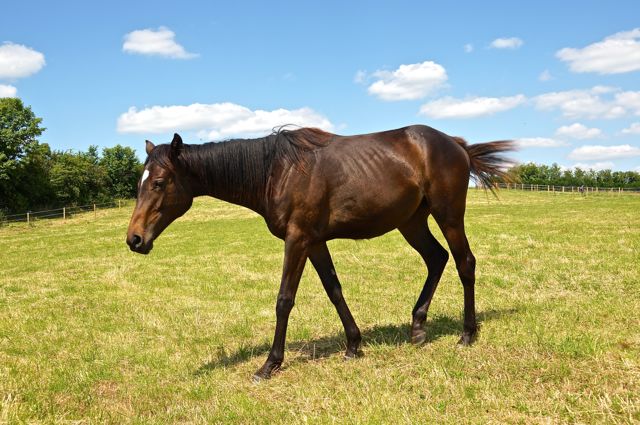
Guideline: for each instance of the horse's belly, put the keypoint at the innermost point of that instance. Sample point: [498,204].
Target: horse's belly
[364,215]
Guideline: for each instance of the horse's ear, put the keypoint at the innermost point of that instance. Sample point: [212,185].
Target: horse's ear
[149,146]
[176,144]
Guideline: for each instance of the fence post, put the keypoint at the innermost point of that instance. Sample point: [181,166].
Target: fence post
[119,203]
[95,214]
[64,213]
[28,220]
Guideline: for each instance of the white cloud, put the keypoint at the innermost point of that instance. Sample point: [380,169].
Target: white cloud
[261,122]
[545,76]
[604,89]
[158,119]
[630,100]
[634,128]
[217,120]
[578,131]
[596,166]
[615,54]
[409,82]
[595,152]
[152,42]
[449,107]
[506,43]
[539,142]
[7,91]
[468,47]
[18,61]
[597,102]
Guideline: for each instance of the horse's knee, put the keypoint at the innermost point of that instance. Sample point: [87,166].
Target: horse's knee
[284,305]
[471,261]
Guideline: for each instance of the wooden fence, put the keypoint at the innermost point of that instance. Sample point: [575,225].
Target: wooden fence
[63,213]
[566,189]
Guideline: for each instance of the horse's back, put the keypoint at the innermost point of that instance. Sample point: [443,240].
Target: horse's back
[366,185]
[420,153]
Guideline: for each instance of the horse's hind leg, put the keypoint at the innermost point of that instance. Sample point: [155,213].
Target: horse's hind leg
[321,260]
[416,232]
[466,265]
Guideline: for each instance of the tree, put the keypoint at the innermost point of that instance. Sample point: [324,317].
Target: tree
[524,173]
[531,173]
[77,178]
[19,130]
[122,169]
[33,189]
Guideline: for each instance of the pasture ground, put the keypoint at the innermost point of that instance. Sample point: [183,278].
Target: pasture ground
[90,332]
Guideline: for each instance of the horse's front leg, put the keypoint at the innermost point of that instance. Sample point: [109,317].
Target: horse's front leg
[295,257]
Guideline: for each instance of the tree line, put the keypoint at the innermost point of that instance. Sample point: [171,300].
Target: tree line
[33,176]
[556,176]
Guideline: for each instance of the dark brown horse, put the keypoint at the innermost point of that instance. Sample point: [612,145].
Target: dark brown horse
[311,187]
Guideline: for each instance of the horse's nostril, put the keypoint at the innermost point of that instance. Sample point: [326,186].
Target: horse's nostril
[136,241]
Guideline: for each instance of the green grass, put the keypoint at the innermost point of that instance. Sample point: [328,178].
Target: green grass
[91,332]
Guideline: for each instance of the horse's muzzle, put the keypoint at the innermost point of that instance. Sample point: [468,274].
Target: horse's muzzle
[138,244]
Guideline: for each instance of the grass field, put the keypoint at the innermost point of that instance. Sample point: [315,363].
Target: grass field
[90,332]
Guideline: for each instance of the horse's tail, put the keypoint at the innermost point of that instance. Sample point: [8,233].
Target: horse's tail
[488,165]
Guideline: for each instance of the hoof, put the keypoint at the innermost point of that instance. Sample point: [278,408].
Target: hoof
[256,378]
[350,355]
[467,339]
[418,337]
[265,372]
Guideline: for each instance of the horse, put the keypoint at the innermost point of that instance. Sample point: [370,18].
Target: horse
[311,186]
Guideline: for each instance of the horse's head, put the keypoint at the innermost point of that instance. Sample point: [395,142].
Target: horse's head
[164,194]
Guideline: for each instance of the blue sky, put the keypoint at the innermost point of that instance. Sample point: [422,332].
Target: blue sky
[561,77]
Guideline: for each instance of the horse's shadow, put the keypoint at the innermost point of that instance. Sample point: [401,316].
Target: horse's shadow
[318,348]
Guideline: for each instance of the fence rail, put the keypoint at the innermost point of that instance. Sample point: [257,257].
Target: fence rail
[566,189]
[60,213]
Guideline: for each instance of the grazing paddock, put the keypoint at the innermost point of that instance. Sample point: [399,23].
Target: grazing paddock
[92,332]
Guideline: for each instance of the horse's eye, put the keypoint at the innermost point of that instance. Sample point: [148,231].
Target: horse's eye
[158,184]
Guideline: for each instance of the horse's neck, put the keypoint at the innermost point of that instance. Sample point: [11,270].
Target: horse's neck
[234,171]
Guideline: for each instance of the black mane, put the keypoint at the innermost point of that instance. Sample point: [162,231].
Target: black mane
[241,167]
